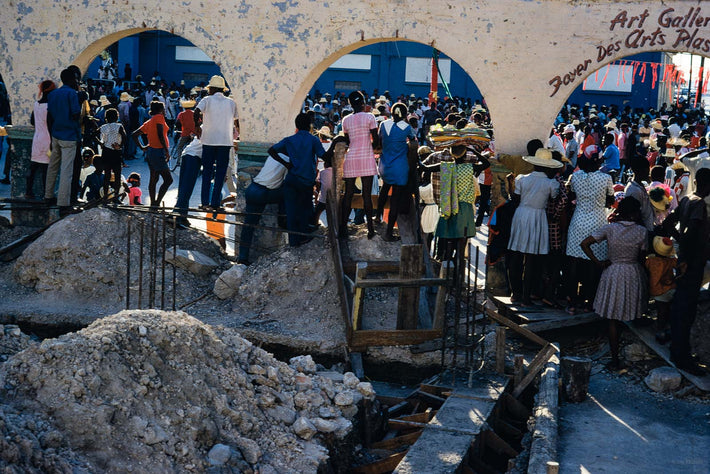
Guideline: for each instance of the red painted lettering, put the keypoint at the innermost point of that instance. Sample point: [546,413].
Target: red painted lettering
[664,18]
[619,20]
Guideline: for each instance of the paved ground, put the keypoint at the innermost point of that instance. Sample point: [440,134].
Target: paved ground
[624,428]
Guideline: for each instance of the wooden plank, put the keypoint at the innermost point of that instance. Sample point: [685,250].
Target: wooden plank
[398,408]
[498,444]
[422,417]
[647,336]
[381,466]
[374,266]
[401,282]
[494,315]
[535,367]
[515,408]
[359,295]
[431,398]
[545,434]
[398,441]
[428,346]
[562,322]
[371,337]
[500,349]
[337,262]
[518,368]
[440,304]
[510,306]
[411,267]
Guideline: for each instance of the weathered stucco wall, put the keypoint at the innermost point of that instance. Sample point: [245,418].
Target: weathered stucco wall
[272,52]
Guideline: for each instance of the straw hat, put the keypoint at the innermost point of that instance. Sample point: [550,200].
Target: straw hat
[678,142]
[217,82]
[570,129]
[187,104]
[126,97]
[656,124]
[660,197]
[663,246]
[678,165]
[94,102]
[669,153]
[543,157]
[103,101]
[324,131]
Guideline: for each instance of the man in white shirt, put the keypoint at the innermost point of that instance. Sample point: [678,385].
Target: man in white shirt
[219,118]
[264,189]
[555,140]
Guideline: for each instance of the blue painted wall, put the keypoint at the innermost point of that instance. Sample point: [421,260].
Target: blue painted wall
[155,50]
[388,72]
[641,95]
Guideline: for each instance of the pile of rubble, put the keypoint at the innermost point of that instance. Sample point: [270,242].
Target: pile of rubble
[160,391]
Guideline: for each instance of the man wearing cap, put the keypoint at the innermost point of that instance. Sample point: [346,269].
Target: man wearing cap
[219,118]
[571,145]
[63,120]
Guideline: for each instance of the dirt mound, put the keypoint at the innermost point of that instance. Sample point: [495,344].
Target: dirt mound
[152,391]
[29,444]
[12,341]
[82,258]
[293,293]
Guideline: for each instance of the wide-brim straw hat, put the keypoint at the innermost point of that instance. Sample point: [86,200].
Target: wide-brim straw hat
[126,97]
[103,101]
[678,165]
[569,129]
[669,153]
[187,104]
[678,142]
[663,246]
[543,157]
[324,131]
[656,124]
[217,82]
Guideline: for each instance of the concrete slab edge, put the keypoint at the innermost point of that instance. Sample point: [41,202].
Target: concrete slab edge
[545,434]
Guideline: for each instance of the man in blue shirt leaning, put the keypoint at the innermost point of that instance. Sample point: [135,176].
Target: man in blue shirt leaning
[303,149]
[63,112]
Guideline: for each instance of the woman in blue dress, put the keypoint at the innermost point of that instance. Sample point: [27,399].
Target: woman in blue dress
[395,135]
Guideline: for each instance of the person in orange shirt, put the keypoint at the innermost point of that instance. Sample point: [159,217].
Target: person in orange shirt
[661,280]
[157,151]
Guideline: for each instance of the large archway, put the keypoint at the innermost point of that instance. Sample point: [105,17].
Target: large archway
[399,66]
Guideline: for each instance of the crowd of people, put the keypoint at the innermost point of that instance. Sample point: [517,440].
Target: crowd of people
[613,194]
[613,198]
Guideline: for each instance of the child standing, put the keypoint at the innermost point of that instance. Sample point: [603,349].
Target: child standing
[157,151]
[134,192]
[621,295]
[112,136]
[661,282]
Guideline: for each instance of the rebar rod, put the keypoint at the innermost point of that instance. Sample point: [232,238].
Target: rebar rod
[162,265]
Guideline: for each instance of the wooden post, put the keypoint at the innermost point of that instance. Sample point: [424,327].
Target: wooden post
[440,306]
[338,183]
[500,349]
[575,377]
[537,364]
[359,295]
[411,263]
[519,369]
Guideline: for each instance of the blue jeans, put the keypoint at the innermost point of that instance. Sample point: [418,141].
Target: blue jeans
[298,199]
[214,168]
[257,197]
[189,170]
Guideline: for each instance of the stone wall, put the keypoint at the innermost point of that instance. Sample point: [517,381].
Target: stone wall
[271,53]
